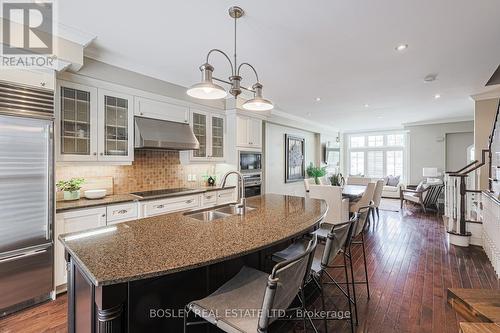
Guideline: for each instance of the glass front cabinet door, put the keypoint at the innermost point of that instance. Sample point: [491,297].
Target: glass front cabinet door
[199,122]
[94,124]
[217,125]
[209,130]
[116,131]
[77,122]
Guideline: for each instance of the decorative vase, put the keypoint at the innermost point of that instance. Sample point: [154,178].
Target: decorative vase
[316,181]
[71,195]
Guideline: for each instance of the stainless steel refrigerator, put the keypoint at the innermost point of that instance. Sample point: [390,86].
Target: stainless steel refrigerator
[26,196]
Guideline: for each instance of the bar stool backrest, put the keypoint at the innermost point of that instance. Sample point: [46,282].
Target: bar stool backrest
[338,238]
[363,214]
[285,281]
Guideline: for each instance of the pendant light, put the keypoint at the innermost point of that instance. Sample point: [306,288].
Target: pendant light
[207,89]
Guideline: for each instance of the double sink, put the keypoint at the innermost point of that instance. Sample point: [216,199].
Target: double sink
[208,215]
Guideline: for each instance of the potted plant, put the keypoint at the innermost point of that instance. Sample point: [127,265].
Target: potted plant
[337,179]
[71,188]
[316,172]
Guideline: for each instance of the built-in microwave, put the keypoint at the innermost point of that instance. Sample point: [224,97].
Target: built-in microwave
[250,161]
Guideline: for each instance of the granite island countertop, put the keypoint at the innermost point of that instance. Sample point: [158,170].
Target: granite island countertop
[174,242]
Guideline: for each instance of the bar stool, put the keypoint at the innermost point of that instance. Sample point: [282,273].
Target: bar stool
[255,290]
[337,241]
[363,214]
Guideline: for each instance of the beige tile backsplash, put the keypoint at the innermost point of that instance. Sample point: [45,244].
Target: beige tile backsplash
[150,170]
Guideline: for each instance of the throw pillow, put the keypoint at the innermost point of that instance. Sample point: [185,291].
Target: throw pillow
[393,181]
[421,186]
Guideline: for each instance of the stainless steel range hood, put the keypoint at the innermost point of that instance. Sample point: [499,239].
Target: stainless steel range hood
[162,134]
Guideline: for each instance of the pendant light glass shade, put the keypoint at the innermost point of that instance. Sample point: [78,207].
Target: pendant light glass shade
[206,89]
[258,103]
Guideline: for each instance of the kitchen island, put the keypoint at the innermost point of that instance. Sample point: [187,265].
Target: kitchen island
[137,276]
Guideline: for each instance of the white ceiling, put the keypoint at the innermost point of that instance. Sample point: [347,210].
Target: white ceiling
[339,50]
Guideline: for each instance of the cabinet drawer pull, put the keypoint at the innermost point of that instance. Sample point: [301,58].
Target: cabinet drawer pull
[209,196]
[159,206]
[121,211]
[189,201]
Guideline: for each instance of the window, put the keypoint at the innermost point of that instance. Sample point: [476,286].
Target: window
[375,140]
[395,163]
[375,164]
[357,163]
[395,139]
[376,155]
[357,141]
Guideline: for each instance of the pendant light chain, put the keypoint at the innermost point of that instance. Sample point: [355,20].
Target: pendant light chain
[235,63]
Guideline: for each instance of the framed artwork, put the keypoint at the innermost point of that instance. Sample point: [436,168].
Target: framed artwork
[294,158]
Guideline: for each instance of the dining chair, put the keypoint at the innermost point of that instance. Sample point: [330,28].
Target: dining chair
[338,207]
[365,199]
[377,197]
[353,180]
[262,294]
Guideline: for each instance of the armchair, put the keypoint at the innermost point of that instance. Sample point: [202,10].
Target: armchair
[425,196]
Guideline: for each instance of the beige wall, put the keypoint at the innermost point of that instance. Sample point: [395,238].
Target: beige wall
[484,116]
[427,146]
[275,158]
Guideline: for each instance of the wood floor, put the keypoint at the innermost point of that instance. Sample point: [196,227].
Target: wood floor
[410,266]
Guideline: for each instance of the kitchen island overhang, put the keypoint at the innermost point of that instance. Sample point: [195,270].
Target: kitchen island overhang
[119,276]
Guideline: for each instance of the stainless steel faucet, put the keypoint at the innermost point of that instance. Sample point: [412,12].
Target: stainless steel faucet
[241,188]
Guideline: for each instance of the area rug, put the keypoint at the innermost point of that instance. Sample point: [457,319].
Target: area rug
[391,205]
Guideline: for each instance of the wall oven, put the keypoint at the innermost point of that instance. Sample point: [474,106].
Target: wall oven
[253,184]
[250,161]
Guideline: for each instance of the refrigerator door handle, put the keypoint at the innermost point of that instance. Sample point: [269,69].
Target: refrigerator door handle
[24,255]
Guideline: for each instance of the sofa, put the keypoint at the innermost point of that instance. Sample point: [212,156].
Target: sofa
[387,192]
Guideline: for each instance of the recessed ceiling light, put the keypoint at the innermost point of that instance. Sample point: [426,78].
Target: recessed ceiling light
[318,99]
[430,78]
[437,96]
[309,114]
[367,105]
[401,47]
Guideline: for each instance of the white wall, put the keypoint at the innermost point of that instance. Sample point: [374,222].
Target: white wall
[275,158]
[427,146]
[106,72]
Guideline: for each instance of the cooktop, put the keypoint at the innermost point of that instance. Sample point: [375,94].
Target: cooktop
[163,192]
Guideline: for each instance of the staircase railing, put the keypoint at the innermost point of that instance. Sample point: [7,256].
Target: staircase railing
[461,197]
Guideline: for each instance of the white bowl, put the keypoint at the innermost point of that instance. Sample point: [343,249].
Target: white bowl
[94,194]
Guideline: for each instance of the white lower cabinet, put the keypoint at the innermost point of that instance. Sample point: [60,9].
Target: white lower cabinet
[169,205]
[73,221]
[122,212]
[208,199]
[226,196]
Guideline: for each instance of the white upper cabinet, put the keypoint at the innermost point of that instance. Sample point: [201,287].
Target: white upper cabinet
[93,124]
[149,108]
[209,129]
[248,132]
[76,119]
[116,126]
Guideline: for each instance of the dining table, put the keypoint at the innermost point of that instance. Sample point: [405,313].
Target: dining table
[353,192]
